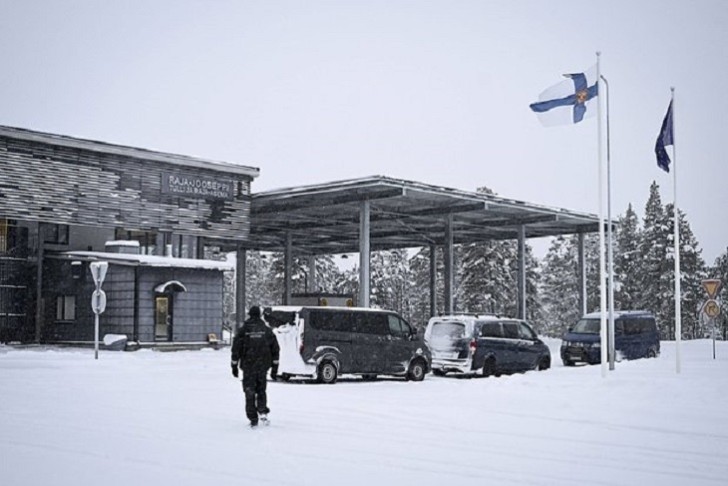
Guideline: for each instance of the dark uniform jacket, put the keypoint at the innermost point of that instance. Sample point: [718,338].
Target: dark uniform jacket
[255,347]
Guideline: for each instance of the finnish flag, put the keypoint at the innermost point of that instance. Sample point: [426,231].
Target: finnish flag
[570,101]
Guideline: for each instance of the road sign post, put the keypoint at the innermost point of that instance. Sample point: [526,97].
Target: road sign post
[711,308]
[98,298]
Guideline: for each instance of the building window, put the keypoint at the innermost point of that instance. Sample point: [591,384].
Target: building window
[56,234]
[66,308]
[147,239]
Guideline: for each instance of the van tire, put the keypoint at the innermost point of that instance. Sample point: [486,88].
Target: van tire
[417,370]
[568,362]
[327,373]
[652,352]
[544,364]
[489,367]
[284,376]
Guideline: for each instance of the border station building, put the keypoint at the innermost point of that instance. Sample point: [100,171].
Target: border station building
[65,202]
[157,218]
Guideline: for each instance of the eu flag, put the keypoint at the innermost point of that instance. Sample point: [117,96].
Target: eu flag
[663,140]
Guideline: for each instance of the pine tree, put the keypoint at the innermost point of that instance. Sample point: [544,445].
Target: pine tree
[692,273]
[390,281]
[656,275]
[559,288]
[487,278]
[720,271]
[257,287]
[626,262]
[420,271]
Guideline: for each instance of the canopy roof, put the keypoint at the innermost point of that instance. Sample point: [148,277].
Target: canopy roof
[324,218]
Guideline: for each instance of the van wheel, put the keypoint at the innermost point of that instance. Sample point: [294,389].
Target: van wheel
[285,376]
[652,353]
[568,362]
[416,371]
[544,364]
[327,373]
[489,367]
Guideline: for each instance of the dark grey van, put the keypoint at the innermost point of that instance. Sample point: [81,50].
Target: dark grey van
[325,342]
[635,336]
[484,344]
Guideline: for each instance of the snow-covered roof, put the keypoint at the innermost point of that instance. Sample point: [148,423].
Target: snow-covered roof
[123,150]
[150,260]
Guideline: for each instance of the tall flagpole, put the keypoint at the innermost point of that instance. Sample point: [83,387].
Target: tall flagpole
[602,290]
[676,237]
[610,242]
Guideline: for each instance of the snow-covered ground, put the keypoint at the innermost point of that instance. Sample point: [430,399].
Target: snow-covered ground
[176,418]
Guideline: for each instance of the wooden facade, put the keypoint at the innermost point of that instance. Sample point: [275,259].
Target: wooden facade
[61,180]
[60,195]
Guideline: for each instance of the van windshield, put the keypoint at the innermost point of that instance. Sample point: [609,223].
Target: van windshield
[452,330]
[587,326]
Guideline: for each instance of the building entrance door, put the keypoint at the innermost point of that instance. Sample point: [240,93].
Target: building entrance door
[163,318]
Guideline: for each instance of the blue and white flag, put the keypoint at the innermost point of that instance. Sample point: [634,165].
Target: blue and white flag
[570,101]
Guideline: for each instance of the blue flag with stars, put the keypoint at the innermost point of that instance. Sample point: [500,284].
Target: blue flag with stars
[569,101]
[663,140]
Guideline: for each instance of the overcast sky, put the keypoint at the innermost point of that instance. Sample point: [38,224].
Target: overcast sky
[431,91]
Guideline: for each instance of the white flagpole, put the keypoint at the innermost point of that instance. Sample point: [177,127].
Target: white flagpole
[676,237]
[610,243]
[602,289]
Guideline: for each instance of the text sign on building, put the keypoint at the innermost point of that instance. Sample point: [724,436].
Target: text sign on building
[192,186]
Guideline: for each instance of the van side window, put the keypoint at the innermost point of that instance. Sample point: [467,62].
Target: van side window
[491,329]
[331,321]
[371,323]
[398,328]
[632,326]
[510,330]
[526,332]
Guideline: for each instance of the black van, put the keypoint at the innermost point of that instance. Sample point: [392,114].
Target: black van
[325,342]
[635,336]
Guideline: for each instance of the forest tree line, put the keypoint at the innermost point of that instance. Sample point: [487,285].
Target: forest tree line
[485,277]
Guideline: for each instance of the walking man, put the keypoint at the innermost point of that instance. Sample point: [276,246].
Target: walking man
[255,350]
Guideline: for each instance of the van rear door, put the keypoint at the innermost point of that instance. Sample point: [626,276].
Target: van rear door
[449,339]
[636,338]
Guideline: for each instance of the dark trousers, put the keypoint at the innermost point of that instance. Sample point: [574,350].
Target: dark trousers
[254,383]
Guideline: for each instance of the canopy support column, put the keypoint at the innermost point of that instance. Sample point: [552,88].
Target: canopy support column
[364,254]
[311,280]
[433,280]
[448,261]
[582,275]
[287,264]
[241,255]
[522,272]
